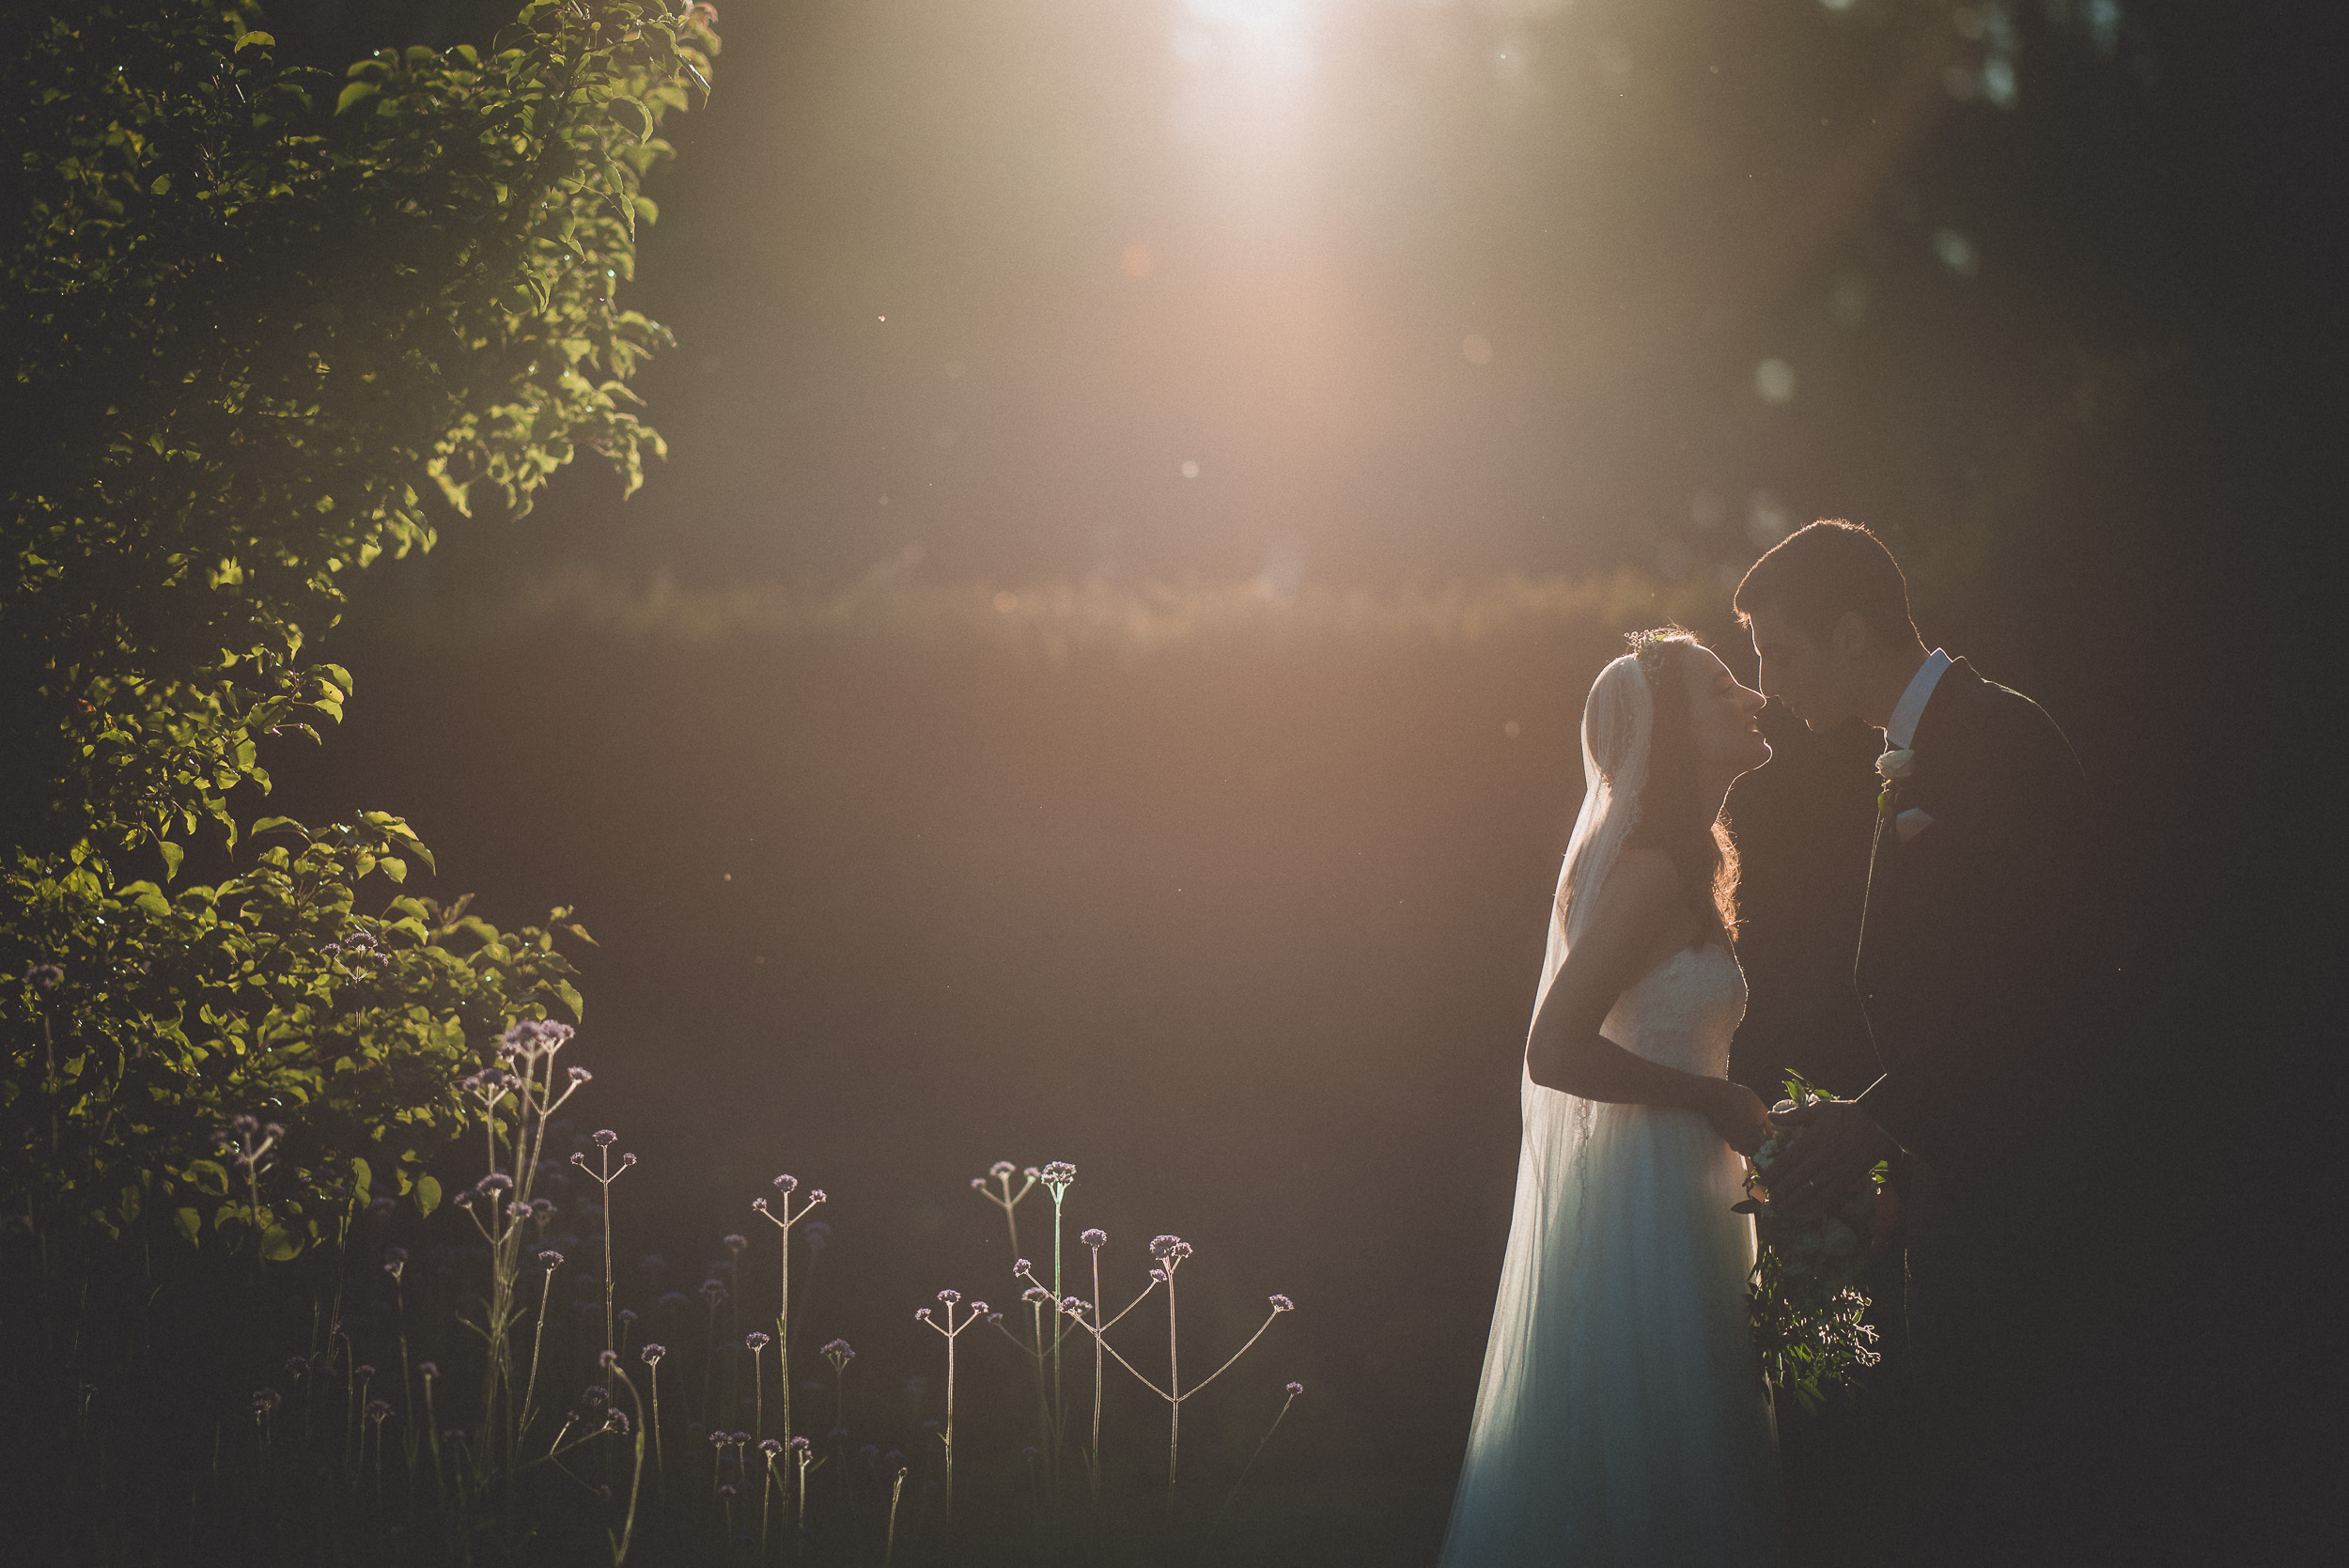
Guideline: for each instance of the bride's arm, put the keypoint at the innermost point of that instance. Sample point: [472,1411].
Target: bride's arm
[1639,908]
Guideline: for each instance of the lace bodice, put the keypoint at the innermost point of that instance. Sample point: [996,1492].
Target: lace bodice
[1683,1012]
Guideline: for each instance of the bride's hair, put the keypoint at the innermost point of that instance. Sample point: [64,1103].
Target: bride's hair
[1674,817]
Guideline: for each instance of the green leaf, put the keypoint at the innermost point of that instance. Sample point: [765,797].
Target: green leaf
[355,92]
[278,1244]
[392,866]
[271,824]
[172,855]
[570,993]
[361,1177]
[427,1193]
[191,1224]
[255,41]
[210,1176]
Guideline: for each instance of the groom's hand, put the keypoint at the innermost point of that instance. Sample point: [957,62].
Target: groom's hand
[1839,1147]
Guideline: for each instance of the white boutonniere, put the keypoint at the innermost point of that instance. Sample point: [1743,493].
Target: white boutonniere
[1894,768]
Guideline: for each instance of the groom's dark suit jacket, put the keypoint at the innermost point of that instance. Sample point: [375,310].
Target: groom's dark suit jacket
[1980,952]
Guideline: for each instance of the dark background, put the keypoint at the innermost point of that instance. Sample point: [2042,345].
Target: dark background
[1215,862]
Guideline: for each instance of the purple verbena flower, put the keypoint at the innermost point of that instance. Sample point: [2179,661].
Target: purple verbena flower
[1283,1304]
[1095,1238]
[550,1259]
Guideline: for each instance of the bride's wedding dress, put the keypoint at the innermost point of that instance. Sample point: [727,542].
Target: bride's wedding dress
[1621,1418]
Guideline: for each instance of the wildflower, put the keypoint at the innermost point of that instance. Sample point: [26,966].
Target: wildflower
[735,1244]
[977,1307]
[297,1366]
[595,1396]
[1036,1295]
[1073,1305]
[628,1314]
[1162,1246]
[47,977]
[362,1371]
[1283,1304]
[379,1409]
[247,1123]
[797,1444]
[607,1359]
[542,1209]
[550,1259]
[627,1160]
[653,1352]
[1000,1168]
[264,1401]
[1095,1238]
[1296,1389]
[838,1353]
[758,1203]
[496,1181]
[1060,1173]
[272,1132]
[427,1369]
[1020,1266]
[756,1341]
[616,1420]
[816,1197]
[713,1292]
[771,1447]
[604,1138]
[580,1075]
[921,1314]
[950,1296]
[786,1184]
[978,1184]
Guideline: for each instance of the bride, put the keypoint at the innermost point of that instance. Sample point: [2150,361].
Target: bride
[1621,1418]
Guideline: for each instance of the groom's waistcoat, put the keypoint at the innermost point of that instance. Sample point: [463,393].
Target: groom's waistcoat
[1979,940]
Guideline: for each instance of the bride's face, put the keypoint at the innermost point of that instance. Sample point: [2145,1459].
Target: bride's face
[1723,716]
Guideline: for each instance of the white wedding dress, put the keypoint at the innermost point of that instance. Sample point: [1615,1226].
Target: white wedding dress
[1622,1419]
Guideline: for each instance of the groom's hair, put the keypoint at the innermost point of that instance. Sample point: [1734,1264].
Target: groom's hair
[1816,575]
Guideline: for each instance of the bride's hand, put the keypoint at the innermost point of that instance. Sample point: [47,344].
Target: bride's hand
[1737,1114]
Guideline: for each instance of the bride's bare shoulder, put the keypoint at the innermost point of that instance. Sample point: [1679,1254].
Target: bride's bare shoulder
[1641,890]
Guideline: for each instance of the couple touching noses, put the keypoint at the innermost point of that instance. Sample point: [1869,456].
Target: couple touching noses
[1622,1417]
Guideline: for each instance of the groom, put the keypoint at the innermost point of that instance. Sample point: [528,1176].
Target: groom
[1977,971]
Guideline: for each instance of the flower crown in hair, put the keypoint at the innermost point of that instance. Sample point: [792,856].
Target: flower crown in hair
[1648,648]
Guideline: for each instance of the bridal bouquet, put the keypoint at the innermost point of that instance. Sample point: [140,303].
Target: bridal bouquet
[1804,1300]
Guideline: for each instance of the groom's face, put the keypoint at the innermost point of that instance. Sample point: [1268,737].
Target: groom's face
[1800,674]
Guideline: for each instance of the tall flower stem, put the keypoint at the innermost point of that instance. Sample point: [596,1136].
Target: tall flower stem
[1058,1177]
[786,1185]
[953,1331]
[553,1260]
[1294,1390]
[896,1490]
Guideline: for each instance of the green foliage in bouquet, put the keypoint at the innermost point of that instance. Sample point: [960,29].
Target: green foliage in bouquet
[1807,1313]
[264,319]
